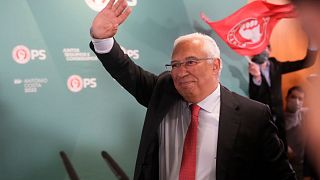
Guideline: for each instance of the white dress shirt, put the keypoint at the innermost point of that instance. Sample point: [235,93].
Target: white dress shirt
[173,130]
[102,45]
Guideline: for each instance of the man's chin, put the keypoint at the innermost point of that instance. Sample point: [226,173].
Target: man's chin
[187,93]
[186,89]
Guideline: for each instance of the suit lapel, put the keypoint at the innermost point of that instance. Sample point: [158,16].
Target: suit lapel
[228,127]
[271,73]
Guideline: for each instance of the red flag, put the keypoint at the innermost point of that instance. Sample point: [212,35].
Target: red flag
[248,30]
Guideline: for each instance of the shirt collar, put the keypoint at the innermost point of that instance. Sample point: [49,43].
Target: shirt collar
[206,104]
[267,65]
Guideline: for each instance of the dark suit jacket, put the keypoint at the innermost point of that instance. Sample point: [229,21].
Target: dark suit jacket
[248,147]
[272,95]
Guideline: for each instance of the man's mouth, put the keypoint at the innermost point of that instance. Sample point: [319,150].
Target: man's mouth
[185,83]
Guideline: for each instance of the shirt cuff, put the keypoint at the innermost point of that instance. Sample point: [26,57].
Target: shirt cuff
[257,81]
[103,46]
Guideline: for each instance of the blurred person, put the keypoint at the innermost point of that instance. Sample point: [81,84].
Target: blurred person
[194,128]
[293,116]
[312,129]
[308,12]
[309,171]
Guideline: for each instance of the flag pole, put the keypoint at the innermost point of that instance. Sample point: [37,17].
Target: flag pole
[248,59]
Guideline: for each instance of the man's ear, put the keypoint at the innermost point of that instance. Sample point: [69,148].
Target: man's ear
[216,64]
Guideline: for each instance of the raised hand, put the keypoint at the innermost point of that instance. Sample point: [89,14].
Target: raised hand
[107,21]
[254,70]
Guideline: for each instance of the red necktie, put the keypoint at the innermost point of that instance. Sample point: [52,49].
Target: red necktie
[188,162]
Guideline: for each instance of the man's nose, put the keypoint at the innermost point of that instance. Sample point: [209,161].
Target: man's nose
[300,102]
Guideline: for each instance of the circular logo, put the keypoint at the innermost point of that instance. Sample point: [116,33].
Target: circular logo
[249,33]
[74,83]
[21,54]
[97,5]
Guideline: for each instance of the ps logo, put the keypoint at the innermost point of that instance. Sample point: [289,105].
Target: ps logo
[98,5]
[132,53]
[22,55]
[249,33]
[76,83]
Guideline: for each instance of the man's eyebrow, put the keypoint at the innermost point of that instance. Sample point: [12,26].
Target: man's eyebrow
[174,61]
[190,57]
[187,58]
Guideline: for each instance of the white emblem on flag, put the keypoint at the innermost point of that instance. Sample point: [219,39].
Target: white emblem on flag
[249,33]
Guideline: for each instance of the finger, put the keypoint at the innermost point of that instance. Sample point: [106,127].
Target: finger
[124,15]
[253,65]
[110,4]
[116,5]
[121,8]
[242,27]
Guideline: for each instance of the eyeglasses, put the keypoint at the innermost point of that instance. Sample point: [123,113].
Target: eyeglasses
[188,62]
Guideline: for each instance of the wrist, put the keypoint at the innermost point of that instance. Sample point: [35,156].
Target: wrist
[92,35]
[257,77]
[257,80]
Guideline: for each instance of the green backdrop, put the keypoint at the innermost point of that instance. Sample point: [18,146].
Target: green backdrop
[44,43]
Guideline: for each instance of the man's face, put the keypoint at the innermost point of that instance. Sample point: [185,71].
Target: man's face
[262,57]
[295,101]
[197,81]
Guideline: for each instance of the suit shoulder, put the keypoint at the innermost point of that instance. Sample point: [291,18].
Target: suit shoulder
[248,103]
[273,60]
[252,111]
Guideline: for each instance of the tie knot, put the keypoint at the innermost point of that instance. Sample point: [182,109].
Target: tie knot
[194,109]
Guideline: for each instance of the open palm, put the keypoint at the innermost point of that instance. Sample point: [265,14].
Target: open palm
[105,24]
